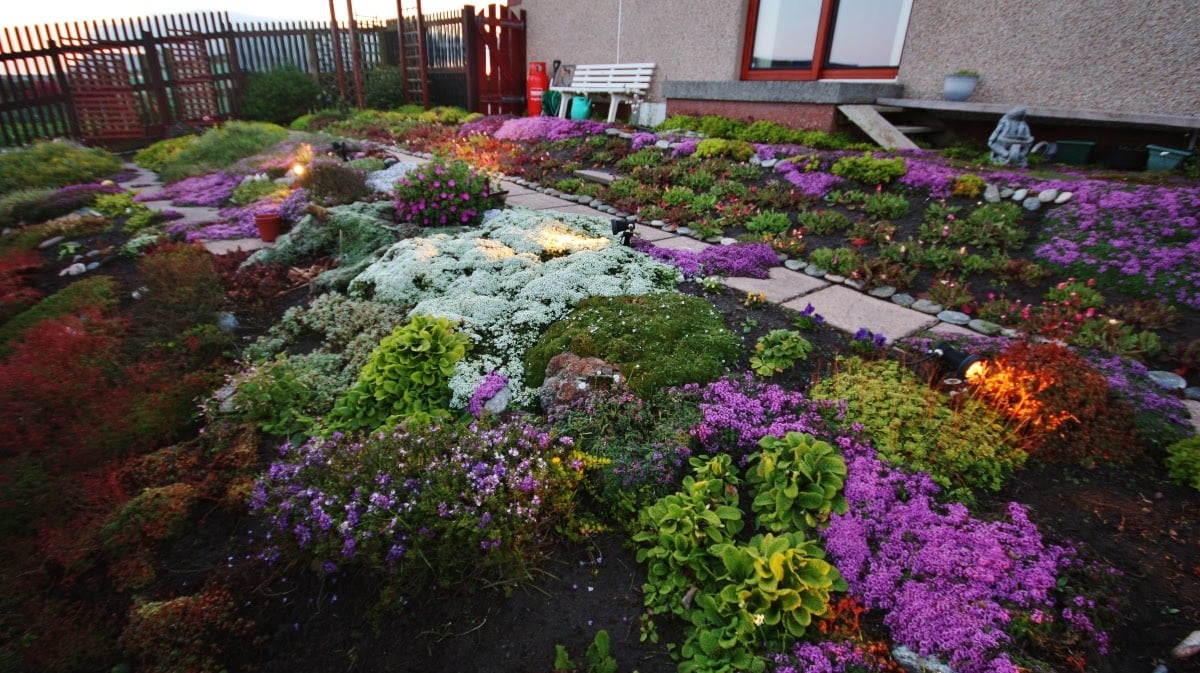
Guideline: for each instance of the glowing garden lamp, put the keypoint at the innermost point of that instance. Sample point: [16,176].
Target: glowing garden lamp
[967,366]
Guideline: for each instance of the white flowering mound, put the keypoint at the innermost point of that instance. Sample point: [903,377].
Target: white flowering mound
[506,281]
[384,181]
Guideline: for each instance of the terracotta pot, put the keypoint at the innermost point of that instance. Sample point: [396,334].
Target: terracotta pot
[269,225]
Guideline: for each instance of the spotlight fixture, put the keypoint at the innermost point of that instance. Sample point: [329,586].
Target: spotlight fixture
[624,230]
[967,366]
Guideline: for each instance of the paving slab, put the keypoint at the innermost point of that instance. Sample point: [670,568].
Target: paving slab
[949,329]
[537,201]
[514,189]
[1193,408]
[850,310]
[652,234]
[779,286]
[578,209]
[235,244]
[683,243]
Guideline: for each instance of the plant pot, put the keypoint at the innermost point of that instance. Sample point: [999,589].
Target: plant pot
[1073,152]
[1126,159]
[269,226]
[1165,158]
[959,87]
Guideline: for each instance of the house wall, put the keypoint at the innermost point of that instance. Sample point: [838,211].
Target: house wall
[1127,56]
[687,39]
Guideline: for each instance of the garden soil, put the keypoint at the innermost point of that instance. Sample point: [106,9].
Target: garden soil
[1133,519]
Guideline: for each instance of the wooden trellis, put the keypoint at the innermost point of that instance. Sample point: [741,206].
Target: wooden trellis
[105,102]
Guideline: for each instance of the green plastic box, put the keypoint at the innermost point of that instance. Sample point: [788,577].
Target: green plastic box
[1073,152]
[1164,158]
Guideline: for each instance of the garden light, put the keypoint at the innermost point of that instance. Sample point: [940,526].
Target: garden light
[624,230]
[966,366]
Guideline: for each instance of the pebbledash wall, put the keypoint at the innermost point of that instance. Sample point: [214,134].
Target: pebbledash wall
[1117,56]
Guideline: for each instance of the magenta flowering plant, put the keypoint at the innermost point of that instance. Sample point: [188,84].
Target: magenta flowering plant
[440,194]
[213,189]
[488,387]
[547,128]
[951,585]
[751,260]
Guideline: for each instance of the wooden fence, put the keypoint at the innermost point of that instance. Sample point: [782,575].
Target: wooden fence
[128,80]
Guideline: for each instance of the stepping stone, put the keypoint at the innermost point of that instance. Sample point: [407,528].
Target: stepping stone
[848,310]
[926,306]
[954,317]
[1168,380]
[984,327]
[779,286]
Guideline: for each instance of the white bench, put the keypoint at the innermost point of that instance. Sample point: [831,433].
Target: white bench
[619,81]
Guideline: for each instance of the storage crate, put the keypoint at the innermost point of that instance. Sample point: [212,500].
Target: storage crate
[1073,152]
[1164,158]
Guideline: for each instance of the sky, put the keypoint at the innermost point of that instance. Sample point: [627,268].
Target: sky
[35,12]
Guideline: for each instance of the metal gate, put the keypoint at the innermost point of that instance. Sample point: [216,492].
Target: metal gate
[496,62]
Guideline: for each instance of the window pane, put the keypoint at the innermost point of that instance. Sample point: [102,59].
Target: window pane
[785,34]
[868,33]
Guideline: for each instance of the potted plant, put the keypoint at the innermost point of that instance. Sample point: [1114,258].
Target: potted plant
[269,224]
[960,85]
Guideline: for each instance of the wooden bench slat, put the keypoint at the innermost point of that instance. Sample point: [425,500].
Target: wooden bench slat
[621,81]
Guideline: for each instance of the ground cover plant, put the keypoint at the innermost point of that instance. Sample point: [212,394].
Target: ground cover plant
[365,473]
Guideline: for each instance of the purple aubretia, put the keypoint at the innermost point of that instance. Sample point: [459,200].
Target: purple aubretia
[751,260]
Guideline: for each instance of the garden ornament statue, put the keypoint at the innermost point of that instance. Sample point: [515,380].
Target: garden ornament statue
[1011,140]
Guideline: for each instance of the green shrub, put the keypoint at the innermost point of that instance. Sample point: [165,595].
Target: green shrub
[16,205]
[384,88]
[964,448]
[136,215]
[678,196]
[885,206]
[968,186]
[254,189]
[187,633]
[777,351]
[161,154]
[658,341]
[221,147]
[284,397]
[317,121]
[332,183]
[769,222]
[279,95]
[679,123]
[768,132]
[737,150]
[407,375]
[868,170]
[55,163]
[716,126]
[368,164]
[822,222]
[1183,461]
[643,158]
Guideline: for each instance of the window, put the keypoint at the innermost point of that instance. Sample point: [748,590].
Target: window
[824,39]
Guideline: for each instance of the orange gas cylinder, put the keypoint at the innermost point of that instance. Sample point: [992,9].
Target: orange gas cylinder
[535,87]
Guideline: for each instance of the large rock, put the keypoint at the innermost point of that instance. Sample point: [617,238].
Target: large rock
[912,662]
[570,377]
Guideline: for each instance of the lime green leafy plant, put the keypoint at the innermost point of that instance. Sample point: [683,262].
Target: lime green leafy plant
[798,480]
[778,350]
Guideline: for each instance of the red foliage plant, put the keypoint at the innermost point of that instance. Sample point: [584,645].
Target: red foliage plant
[15,293]
[1059,405]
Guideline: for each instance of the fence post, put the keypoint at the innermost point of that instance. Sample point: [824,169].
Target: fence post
[337,54]
[237,77]
[60,75]
[471,52]
[154,78]
[355,58]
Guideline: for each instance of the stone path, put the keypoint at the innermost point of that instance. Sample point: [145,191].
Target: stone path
[843,307]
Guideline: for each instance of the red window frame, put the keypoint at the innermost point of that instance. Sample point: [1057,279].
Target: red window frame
[820,54]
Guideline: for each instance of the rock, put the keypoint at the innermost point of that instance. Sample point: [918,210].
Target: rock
[1020,194]
[815,271]
[51,242]
[725,240]
[927,307]
[658,223]
[953,317]
[991,194]
[1031,203]
[1047,195]
[499,402]
[794,265]
[683,231]
[903,299]
[663,144]
[854,284]
[225,396]
[915,663]
[140,292]
[92,266]
[984,327]
[1168,380]
[882,292]
[595,203]
[1192,393]
[570,378]
[227,321]
[770,163]
[73,270]
[612,131]
[1188,647]
[1006,192]
[1063,197]
[835,278]
[755,161]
